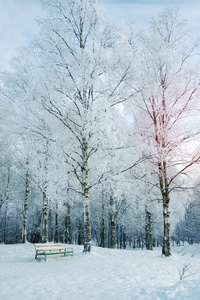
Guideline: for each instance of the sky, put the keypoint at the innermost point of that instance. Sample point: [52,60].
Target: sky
[18,19]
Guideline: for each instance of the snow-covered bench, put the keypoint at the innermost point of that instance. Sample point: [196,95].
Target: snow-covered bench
[51,249]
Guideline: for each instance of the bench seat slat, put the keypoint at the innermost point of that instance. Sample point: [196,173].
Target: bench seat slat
[49,253]
[49,249]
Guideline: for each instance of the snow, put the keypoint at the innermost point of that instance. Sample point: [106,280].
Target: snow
[108,274]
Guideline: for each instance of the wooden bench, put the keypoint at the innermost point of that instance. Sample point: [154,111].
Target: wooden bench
[51,249]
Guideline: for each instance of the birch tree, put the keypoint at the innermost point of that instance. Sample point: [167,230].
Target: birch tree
[169,88]
[78,50]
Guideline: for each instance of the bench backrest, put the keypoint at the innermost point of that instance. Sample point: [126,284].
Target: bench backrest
[49,245]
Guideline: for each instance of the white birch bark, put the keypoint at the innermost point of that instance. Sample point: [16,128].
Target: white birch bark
[56,225]
[24,237]
[45,218]
[86,208]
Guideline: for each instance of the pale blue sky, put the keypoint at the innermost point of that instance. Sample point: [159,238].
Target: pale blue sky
[18,26]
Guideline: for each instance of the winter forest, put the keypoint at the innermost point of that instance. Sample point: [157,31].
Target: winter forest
[99,132]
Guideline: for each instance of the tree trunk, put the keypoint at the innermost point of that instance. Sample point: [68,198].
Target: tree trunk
[86,208]
[56,221]
[124,238]
[134,243]
[45,198]
[80,233]
[24,237]
[148,229]
[68,229]
[87,228]
[118,235]
[45,218]
[5,224]
[166,249]
[121,237]
[112,223]
[103,226]
[50,223]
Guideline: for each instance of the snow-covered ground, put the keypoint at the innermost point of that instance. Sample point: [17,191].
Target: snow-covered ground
[103,274]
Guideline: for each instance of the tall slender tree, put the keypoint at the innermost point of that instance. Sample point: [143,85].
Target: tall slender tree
[169,88]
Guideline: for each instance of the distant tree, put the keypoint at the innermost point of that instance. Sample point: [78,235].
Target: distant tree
[188,228]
